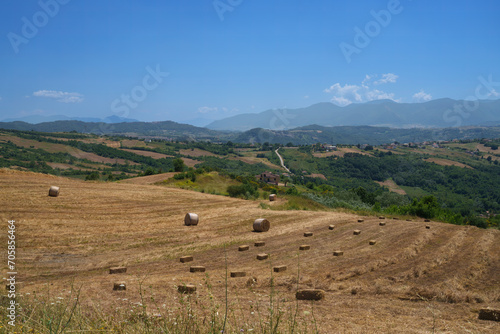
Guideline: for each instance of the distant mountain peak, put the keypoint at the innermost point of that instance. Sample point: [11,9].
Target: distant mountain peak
[431,114]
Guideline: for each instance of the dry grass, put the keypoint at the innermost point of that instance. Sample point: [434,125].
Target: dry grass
[321,176]
[340,152]
[392,186]
[60,148]
[446,162]
[196,152]
[190,162]
[150,154]
[412,281]
[255,160]
[149,179]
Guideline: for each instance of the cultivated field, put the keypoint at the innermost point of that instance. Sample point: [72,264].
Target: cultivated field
[392,186]
[413,280]
[446,162]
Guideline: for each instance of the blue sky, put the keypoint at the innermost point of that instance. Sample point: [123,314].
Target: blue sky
[203,59]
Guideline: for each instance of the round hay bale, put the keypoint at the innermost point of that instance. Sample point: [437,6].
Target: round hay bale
[191,219]
[188,288]
[243,248]
[308,234]
[259,244]
[331,227]
[310,294]
[272,197]
[261,225]
[360,220]
[117,270]
[197,269]
[185,259]
[238,274]
[356,232]
[119,286]
[54,191]
[304,247]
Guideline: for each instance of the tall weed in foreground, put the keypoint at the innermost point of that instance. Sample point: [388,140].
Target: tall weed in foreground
[200,313]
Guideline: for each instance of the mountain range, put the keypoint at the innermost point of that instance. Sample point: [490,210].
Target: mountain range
[439,113]
[36,119]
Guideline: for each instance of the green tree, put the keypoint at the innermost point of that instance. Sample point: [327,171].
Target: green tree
[94,176]
[179,165]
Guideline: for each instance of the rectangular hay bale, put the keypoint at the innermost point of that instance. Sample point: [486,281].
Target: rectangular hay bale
[185,259]
[489,314]
[356,232]
[308,234]
[262,256]
[279,269]
[238,274]
[310,294]
[243,248]
[338,253]
[260,243]
[197,269]
[117,270]
[188,288]
[331,227]
[304,247]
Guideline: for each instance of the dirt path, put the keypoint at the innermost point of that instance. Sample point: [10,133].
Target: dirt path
[281,161]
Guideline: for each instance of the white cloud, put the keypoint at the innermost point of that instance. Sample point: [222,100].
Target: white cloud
[205,110]
[422,96]
[492,93]
[63,97]
[223,110]
[387,78]
[347,94]
[380,95]
[341,101]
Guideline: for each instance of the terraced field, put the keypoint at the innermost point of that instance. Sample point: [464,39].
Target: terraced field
[412,280]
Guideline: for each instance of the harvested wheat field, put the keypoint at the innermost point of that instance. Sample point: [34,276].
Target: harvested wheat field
[392,186]
[149,179]
[446,162]
[412,280]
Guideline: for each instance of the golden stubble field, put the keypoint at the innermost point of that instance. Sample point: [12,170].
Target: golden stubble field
[413,280]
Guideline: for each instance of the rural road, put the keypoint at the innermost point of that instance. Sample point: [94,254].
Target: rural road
[281,160]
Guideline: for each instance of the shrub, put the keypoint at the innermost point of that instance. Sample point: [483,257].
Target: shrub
[245,190]
[94,176]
